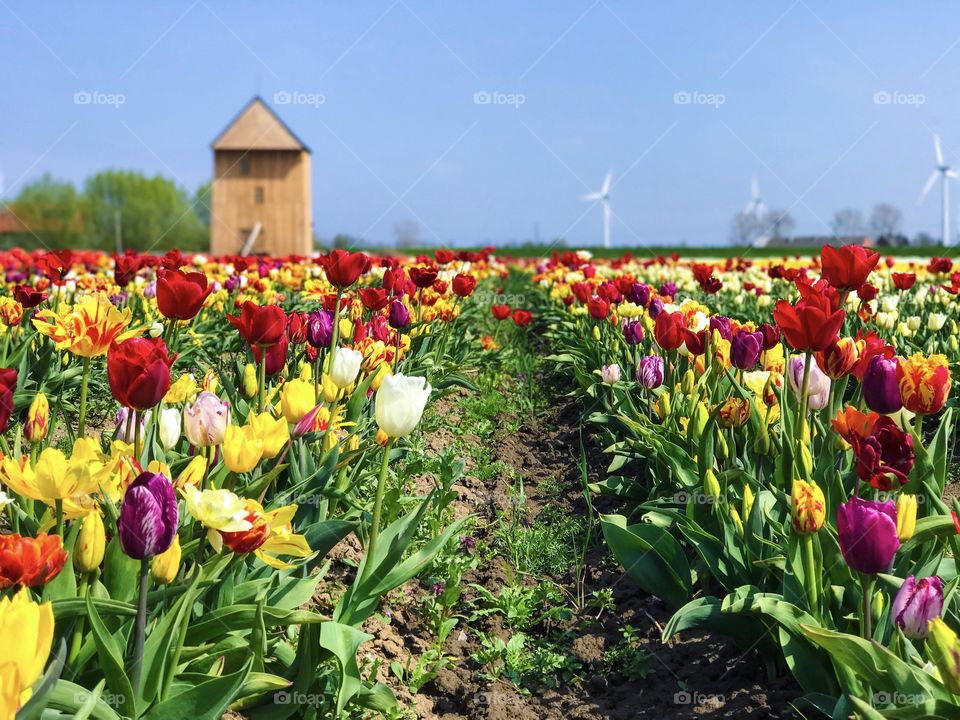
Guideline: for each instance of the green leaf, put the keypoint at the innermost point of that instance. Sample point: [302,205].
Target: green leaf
[111,662]
[343,641]
[206,701]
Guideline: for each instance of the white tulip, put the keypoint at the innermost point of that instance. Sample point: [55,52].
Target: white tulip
[399,404]
[156,330]
[610,374]
[346,365]
[169,427]
[936,321]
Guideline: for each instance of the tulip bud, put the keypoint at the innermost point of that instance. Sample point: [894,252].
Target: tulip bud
[354,442]
[662,406]
[169,427]
[943,647]
[381,438]
[688,383]
[250,382]
[877,604]
[38,419]
[711,485]
[737,521]
[596,333]
[91,543]
[761,443]
[720,446]
[809,507]
[804,458]
[166,565]
[697,424]
[906,516]
[747,504]
[329,388]
[345,366]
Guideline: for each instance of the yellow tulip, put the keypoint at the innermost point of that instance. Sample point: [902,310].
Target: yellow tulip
[251,384]
[182,390]
[747,504]
[242,448]
[193,473]
[906,516]
[38,419]
[809,507]
[89,328]
[943,648]
[273,433]
[56,478]
[166,565]
[91,543]
[296,400]
[383,371]
[27,631]
[329,389]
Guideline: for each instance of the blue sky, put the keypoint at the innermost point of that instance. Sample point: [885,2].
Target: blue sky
[784,90]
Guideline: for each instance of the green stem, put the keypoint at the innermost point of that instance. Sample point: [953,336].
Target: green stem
[140,630]
[378,506]
[58,505]
[77,641]
[262,379]
[335,336]
[84,384]
[866,609]
[810,570]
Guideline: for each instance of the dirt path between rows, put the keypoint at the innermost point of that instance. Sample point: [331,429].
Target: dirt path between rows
[697,676]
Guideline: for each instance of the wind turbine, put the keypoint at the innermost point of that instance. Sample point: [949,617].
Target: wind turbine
[603,195]
[756,206]
[945,173]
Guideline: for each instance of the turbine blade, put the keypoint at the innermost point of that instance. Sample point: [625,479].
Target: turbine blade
[606,183]
[938,149]
[928,187]
[755,189]
[592,197]
[952,174]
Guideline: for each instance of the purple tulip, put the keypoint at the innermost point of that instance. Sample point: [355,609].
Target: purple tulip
[745,349]
[668,288]
[639,294]
[656,305]
[867,530]
[916,604]
[881,391]
[650,371]
[232,283]
[149,516]
[319,328]
[399,315]
[722,325]
[771,335]
[633,332]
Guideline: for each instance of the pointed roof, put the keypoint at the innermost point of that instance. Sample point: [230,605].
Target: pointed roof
[257,127]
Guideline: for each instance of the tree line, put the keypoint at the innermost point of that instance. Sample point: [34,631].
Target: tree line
[113,209]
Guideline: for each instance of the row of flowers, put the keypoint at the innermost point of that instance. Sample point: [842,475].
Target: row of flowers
[183,440]
[776,453]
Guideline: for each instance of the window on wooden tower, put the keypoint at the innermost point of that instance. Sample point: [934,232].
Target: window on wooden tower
[244,165]
[258,195]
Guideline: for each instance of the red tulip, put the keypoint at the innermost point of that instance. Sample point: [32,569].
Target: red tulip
[343,269]
[464,285]
[125,268]
[598,308]
[522,318]
[423,277]
[444,256]
[866,292]
[500,312]
[811,324]
[139,372]
[180,295]
[262,325]
[30,561]
[374,299]
[276,356]
[904,281]
[668,330]
[297,327]
[8,384]
[28,296]
[847,267]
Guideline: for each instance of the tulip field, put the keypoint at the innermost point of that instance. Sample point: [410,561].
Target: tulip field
[464,485]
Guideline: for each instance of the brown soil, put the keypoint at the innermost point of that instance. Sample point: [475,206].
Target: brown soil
[695,676]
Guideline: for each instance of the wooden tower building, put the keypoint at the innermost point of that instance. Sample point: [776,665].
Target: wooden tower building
[261,187]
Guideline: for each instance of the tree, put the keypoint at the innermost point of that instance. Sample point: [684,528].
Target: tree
[50,209]
[778,224]
[745,228]
[151,213]
[407,233]
[885,220]
[848,222]
[202,199]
